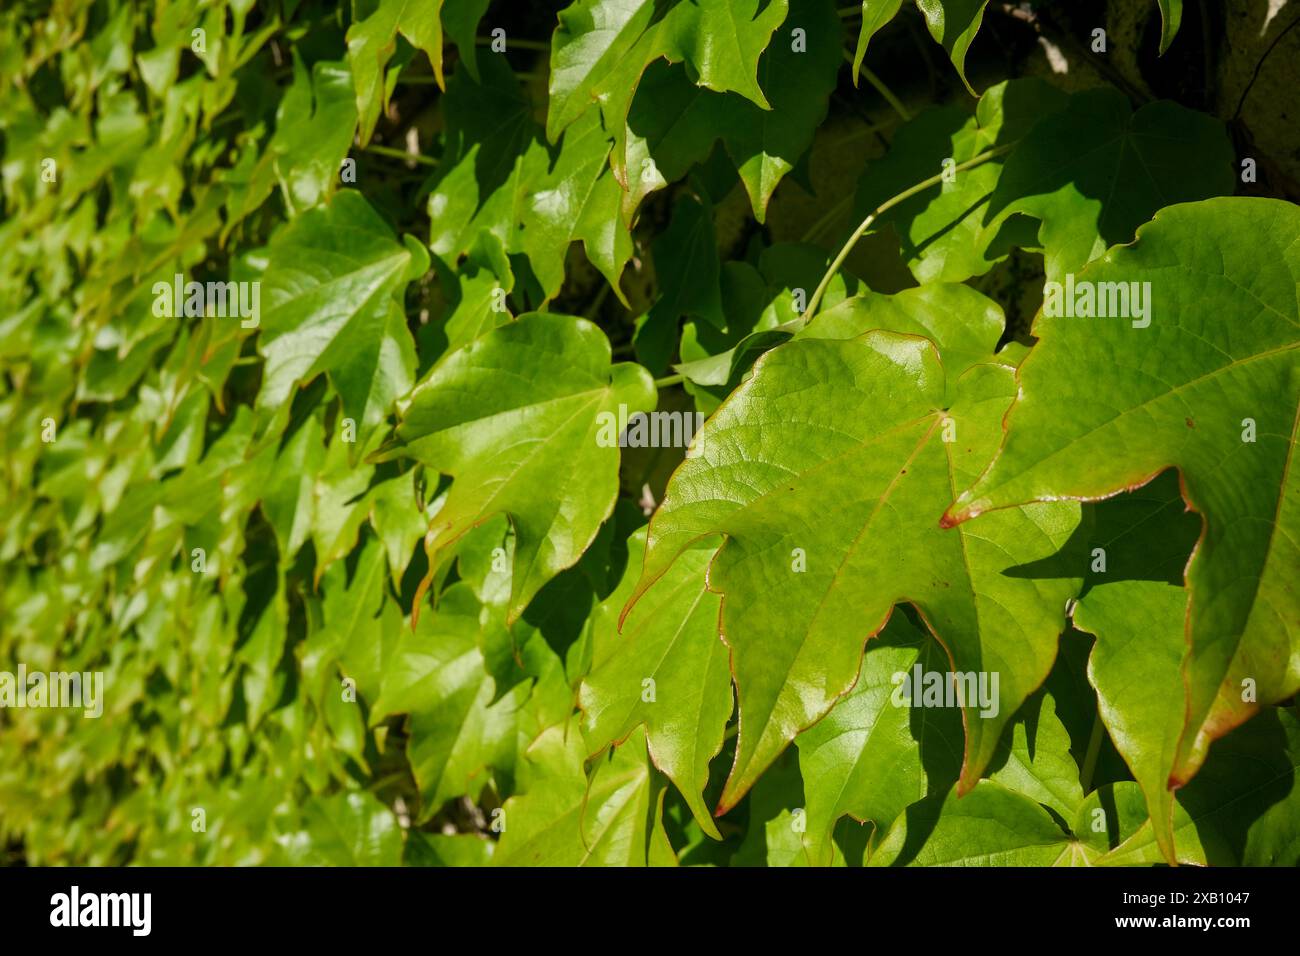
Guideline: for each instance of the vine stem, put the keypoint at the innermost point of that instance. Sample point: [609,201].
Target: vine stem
[669,380]
[883,208]
[881,88]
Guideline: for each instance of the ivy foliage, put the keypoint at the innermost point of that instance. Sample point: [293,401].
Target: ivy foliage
[398,435]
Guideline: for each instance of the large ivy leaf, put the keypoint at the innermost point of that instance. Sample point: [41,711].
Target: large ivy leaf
[1214,397]
[329,306]
[1135,163]
[671,640]
[858,422]
[515,418]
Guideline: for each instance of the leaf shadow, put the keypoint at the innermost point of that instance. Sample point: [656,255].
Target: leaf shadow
[1143,535]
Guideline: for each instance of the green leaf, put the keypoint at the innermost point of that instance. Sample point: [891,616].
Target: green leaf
[1136,669]
[1171,16]
[990,826]
[438,849]
[1005,820]
[858,422]
[594,42]
[763,308]
[330,305]
[345,829]
[489,130]
[953,24]
[288,499]
[497,175]
[358,619]
[672,123]
[671,640]
[460,21]
[314,127]
[458,729]
[1243,807]
[372,40]
[945,233]
[875,15]
[562,820]
[478,288]
[1134,163]
[873,754]
[573,197]
[1136,607]
[926,311]
[799,78]
[505,416]
[689,274]
[1178,393]
[1112,814]
[601,48]
[1035,760]
[1245,803]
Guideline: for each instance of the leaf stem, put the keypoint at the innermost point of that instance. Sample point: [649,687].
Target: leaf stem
[669,380]
[593,309]
[829,217]
[1090,758]
[881,88]
[388,151]
[880,210]
[541,45]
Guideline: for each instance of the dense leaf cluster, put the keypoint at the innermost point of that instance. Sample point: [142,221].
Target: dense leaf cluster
[346,351]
